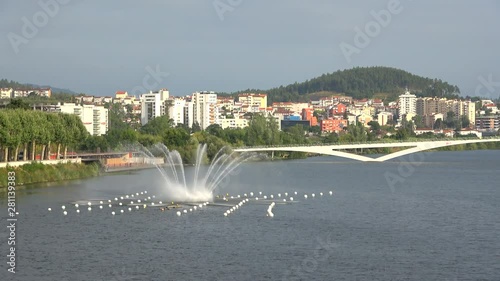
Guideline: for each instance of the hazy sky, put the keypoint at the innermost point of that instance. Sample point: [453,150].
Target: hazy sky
[98,47]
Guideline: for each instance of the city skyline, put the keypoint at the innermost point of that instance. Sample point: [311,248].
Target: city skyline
[226,46]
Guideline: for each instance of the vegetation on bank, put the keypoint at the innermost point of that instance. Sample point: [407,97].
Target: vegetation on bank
[40,173]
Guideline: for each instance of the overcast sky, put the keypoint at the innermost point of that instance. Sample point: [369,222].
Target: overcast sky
[98,47]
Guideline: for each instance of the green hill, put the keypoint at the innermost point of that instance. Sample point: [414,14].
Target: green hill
[362,82]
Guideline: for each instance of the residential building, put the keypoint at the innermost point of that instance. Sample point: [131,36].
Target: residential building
[252,99]
[489,123]
[176,110]
[232,123]
[153,105]
[6,93]
[205,108]
[384,117]
[308,114]
[333,125]
[94,118]
[407,104]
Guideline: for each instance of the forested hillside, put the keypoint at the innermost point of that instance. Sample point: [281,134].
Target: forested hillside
[363,82]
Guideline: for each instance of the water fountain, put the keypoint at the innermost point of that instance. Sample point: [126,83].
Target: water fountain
[204,181]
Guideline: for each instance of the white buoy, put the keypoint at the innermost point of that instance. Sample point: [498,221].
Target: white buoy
[251,194]
[131,202]
[195,208]
[100,207]
[137,207]
[305,196]
[260,192]
[284,199]
[113,213]
[144,206]
[279,194]
[50,209]
[126,196]
[152,203]
[132,195]
[154,196]
[331,192]
[100,202]
[286,194]
[232,197]
[160,202]
[110,205]
[76,205]
[185,211]
[313,195]
[109,201]
[190,210]
[145,192]
[248,199]
[271,196]
[121,198]
[149,197]
[246,195]
[120,204]
[204,204]
[89,208]
[121,211]
[238,196]
[178,213]
[65,213]
[63,207]
[321,194]
[116,199]
[295,192]
[265,197]
[78,211]
[236,206]
[142,193]
[138,201]
[137,194]
[256,198]
[291,198]
[129,209]
[225,214]
[200,205]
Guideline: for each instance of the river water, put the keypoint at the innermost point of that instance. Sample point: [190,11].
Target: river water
[431,216]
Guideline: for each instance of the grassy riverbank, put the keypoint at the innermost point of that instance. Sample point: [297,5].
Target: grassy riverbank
[38,173]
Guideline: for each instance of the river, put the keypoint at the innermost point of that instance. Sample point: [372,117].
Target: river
[429,216]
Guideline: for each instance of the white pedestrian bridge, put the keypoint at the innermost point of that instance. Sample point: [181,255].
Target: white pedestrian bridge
[336,149]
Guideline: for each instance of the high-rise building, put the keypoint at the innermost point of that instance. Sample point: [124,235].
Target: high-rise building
[205,109]
[153,104]
[407,104]
[176,110]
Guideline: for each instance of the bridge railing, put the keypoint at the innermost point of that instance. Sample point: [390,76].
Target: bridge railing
[368,142]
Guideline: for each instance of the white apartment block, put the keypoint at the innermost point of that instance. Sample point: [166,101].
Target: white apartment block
[407,104]
[94,118]
[176,110]
[205,108]
[233,123]
[153,105]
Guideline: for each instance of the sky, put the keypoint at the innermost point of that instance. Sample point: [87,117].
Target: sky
[99,47]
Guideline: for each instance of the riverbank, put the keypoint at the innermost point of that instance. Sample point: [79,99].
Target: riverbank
[40,173]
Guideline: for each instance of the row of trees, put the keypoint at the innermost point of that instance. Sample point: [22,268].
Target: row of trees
[35,132]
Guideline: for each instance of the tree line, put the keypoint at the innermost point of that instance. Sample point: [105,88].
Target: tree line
[36,132]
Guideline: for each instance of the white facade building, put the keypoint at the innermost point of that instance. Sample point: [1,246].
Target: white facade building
[205,109]
[94,118]
[176,110]
[153,105]
[407,104]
